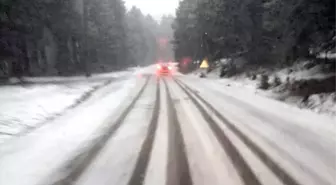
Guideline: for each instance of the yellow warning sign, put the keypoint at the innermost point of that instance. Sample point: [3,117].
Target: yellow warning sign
[204,64]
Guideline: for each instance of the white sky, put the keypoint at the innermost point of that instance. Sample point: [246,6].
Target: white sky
[156,8]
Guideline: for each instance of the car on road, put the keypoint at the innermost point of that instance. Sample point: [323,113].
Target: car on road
[163,69]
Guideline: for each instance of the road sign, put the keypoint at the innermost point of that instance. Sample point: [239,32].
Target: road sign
[204,64]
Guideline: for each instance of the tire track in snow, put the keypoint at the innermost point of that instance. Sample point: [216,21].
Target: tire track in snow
[80,162]
[178,172]
[244,170]
[281,174]
[139,173]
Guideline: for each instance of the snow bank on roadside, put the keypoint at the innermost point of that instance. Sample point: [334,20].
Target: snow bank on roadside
[95,77]
[303,71]
[70,79]
[324,103]
[23,108]
[41,99]
[35,157]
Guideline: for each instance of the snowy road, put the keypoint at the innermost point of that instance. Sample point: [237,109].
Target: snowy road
[177,130]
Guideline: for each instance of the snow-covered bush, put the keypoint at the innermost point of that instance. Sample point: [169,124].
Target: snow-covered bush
[263,84]
[276,81]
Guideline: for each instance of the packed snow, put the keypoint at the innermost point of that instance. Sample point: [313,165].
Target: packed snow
[48,147]
[299,137]
[38,100]
[323,103]
[25,107]
[93,78]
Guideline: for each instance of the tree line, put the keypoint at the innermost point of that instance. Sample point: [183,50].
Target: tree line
[264,32]
[68,37]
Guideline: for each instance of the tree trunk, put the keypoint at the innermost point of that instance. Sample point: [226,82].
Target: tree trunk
[63,56]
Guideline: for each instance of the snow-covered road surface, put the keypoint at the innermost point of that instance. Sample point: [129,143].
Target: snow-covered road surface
[176,130]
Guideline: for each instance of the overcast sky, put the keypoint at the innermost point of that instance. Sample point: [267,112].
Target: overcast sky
[156,8]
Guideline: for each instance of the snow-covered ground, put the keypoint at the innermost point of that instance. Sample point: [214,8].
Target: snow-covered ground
[41,99]
[37,155]
[323,103]
[93,78]
[297,134]
[300,143]
[303,71]
[25,107]
[49,146]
